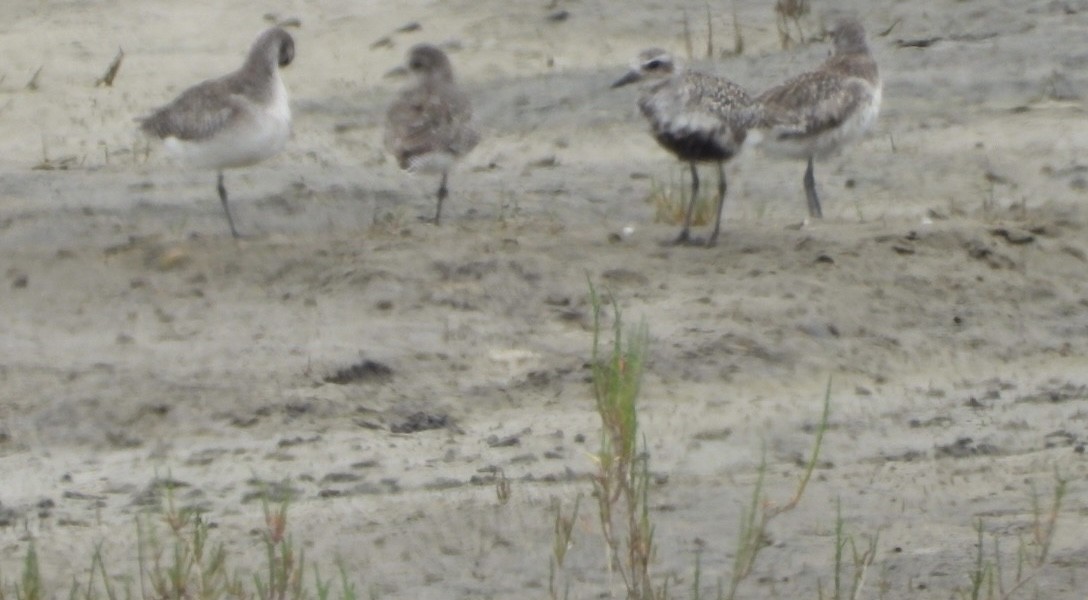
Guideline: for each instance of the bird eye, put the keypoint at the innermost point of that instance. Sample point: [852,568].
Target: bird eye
[287,53]
[653,64]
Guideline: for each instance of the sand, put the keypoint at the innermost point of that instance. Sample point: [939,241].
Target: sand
[943,296]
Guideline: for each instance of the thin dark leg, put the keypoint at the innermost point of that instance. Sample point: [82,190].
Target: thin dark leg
[685,233]
[442,193]
[226,207]
[713,239]
[810,193]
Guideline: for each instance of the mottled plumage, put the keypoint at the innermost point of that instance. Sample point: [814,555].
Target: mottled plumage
[429,126]
[816,113]
[236,120]
[697,117]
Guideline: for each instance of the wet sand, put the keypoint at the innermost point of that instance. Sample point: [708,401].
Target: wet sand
[384,370]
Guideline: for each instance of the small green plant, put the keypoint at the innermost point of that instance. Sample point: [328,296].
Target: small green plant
[738,33]
[621,483]
[861,560]
[183,565]
[30,582]
[689,45]
[709,33]
[502,488]
[789,12]
[761,511]
[982,575]
[988,580]
[670,202]
[389,221]
[178,559]
[323,588]
[1045,521]
[562,542]
[283,573]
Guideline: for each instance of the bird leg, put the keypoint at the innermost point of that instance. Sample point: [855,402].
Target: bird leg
[810,193]
[442,193]
[713,239]
[685,233]
[226,208]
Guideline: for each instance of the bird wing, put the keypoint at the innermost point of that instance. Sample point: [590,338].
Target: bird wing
[197,113]
[717,95]
[703,103]
[810,104]
[422,121]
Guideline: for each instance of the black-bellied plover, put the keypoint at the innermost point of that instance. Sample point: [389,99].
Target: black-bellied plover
[233,121]
[697,117]
[817,113]
[429,126]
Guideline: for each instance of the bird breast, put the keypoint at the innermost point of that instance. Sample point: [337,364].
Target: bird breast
[691,134]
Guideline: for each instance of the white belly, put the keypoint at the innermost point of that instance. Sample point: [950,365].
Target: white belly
[432,163]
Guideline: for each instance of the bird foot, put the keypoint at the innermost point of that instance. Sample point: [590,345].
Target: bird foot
[686,239]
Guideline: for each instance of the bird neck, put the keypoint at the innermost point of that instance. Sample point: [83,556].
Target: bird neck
[851,44]
[439,77]
[859,64]
[258,78]
[261,62]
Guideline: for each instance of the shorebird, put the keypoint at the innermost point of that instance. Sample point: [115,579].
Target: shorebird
[697,117]
[236,120]
[428,127]
[817,113]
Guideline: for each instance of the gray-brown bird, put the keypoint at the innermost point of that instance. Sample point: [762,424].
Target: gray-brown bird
[697,117]
[233,121]
[817,113]
[429,126]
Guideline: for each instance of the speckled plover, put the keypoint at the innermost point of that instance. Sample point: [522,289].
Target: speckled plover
[697,117]
[233,121]
[817,113]
[429,126]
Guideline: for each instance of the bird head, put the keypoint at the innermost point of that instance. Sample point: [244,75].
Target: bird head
[651,64]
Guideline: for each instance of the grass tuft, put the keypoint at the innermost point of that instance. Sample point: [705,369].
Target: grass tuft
[987,578]
[738,33]
[562,542]
[670,201]
[178,559]
[789,12]
[861,560]
[30,583]
[621,484]
[761,511]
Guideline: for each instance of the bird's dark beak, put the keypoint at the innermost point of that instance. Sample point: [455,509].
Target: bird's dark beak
[630,77]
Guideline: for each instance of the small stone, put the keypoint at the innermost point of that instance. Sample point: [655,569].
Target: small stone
[1013,235]
[172,258]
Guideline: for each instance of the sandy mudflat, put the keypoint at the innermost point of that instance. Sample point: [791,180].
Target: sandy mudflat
[944,294]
